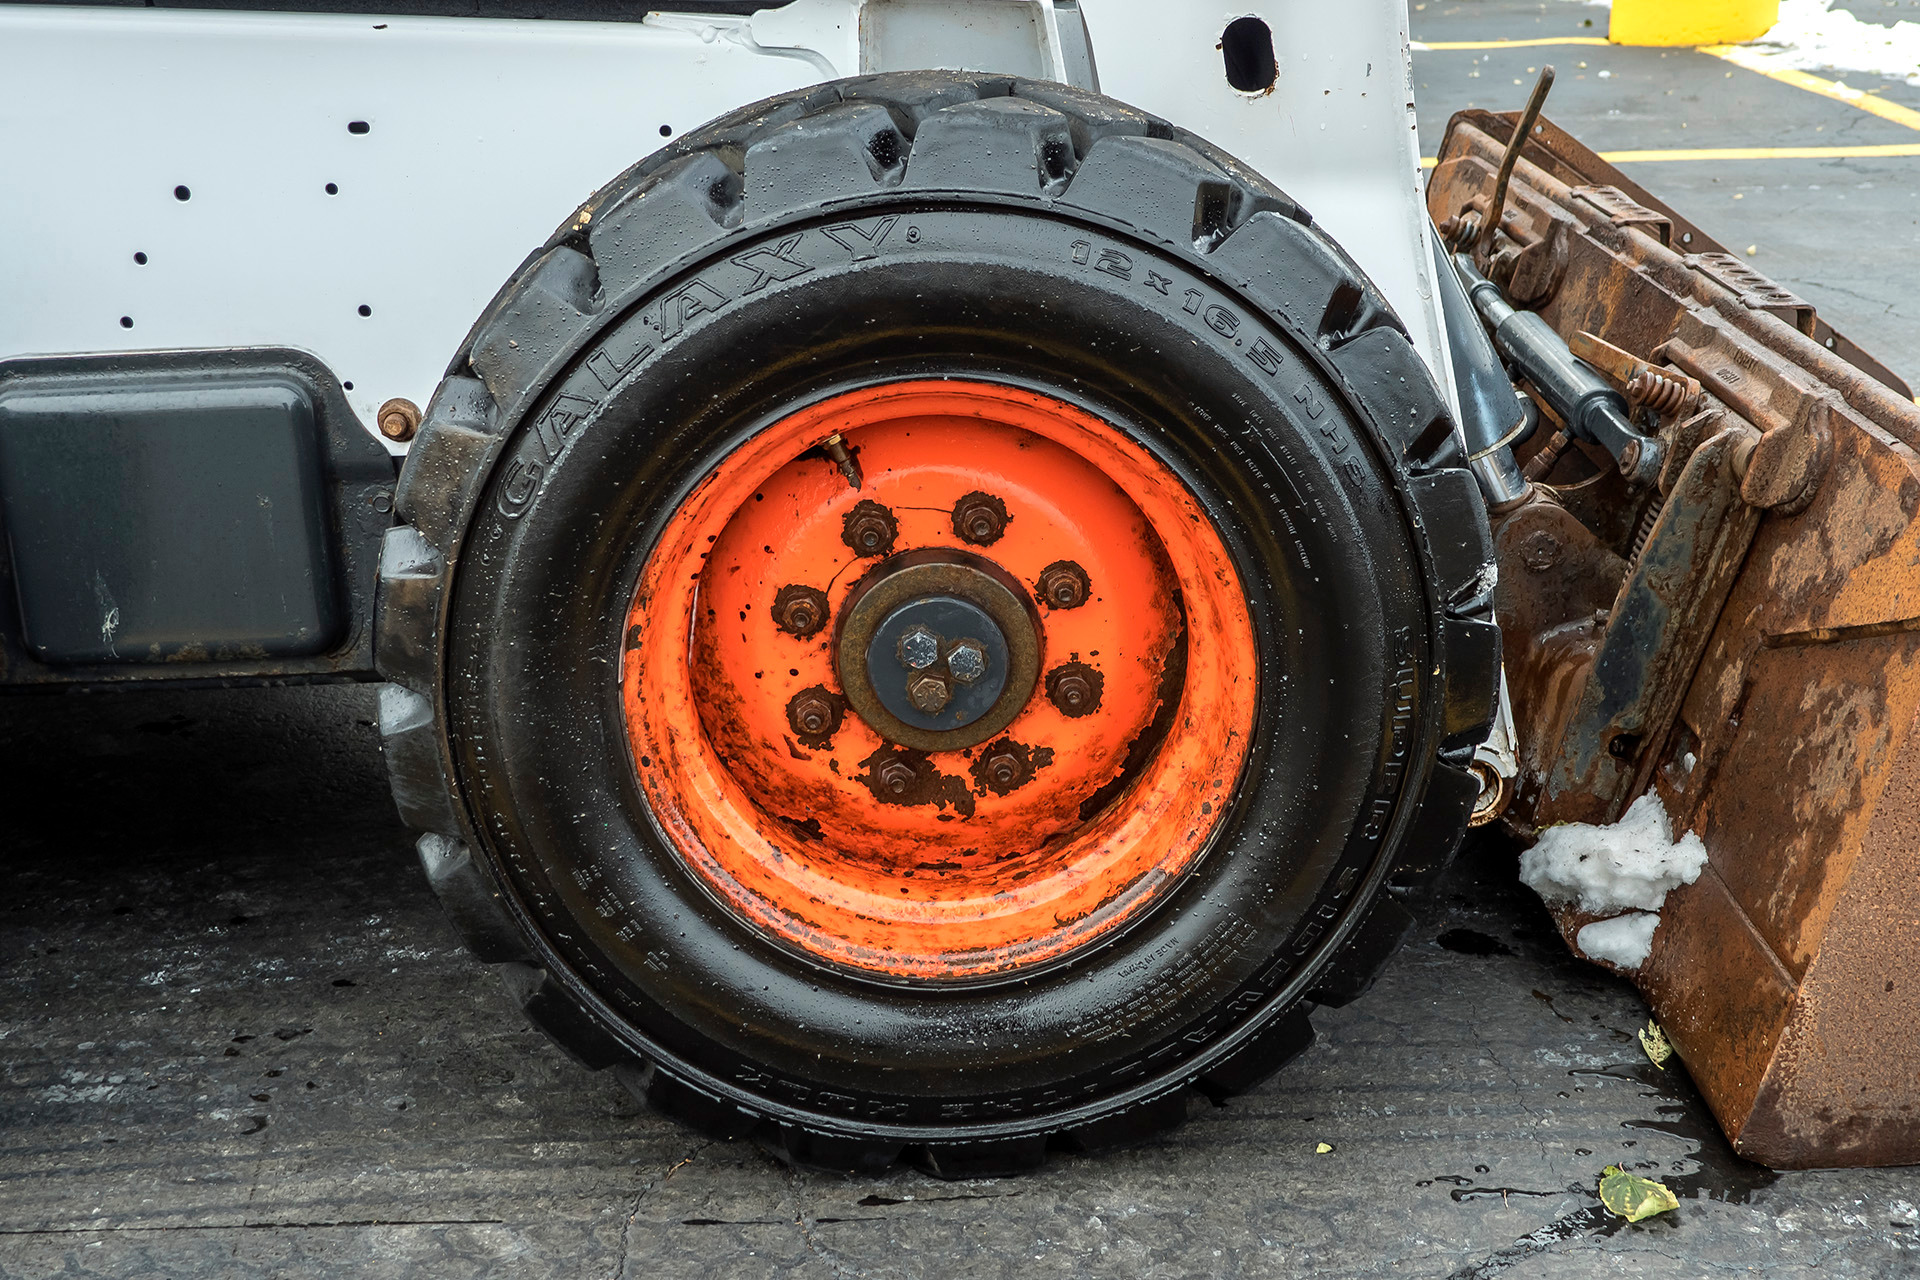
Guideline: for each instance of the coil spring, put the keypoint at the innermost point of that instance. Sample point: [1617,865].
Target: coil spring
[1644,530]
[1662,394]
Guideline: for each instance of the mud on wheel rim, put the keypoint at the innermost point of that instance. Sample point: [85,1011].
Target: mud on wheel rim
[1089,735]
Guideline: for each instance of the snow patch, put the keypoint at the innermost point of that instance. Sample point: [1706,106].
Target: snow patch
[1814,36]
[1629,866]
[1624,940]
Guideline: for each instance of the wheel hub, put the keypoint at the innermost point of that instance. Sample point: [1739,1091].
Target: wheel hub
[938,649]
[952,715]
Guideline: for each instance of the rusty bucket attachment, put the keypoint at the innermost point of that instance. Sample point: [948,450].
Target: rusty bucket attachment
[1738,632]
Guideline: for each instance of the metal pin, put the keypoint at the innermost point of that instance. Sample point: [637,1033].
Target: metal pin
[837,450]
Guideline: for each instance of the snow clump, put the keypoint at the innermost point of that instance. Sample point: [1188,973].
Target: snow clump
[1624,940]
[1631,865]
[1628,867]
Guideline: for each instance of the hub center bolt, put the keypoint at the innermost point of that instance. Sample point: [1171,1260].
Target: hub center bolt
[967,660]
[929,693]
[919,649]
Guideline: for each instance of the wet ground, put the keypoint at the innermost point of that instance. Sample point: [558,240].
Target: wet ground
[237,1039]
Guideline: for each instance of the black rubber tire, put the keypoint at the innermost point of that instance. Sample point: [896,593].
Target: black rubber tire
[908,226]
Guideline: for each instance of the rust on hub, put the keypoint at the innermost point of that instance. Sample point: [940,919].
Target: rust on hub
[869,529]
[980,519]
[800,611]
[1064,585]
[814,715]
[1074,688]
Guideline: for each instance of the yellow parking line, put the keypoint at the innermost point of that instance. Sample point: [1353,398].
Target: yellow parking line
[1746,153]
[1857,98]
[1825,88]
[1762,153]
[1422,45]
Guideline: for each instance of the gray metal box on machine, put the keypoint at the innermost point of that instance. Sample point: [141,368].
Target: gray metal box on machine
[176,518]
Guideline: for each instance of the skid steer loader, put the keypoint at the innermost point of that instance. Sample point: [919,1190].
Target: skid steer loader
[950,600]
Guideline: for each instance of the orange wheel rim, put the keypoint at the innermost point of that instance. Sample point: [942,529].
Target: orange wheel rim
[1106,606]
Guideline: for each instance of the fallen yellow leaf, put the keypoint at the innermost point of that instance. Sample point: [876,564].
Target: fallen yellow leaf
[1655,1042]
[1634,1198]
[1322,1149]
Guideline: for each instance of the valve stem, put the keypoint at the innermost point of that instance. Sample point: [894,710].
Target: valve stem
[837,450]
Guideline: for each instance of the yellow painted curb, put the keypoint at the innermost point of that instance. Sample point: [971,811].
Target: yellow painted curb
[1685,22]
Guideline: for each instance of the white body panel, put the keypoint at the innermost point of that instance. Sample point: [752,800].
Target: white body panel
[1337,133]
[484,134]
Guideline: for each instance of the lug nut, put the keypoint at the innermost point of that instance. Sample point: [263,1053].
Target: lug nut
[980,518]
[800,611]
[967,660]
[1071,694]
[1074,689]
[869,529]
[896,777]
[1064,585]
[919,649]
[928,693]
[814,713]
[399,419]
[1004,766]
